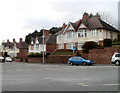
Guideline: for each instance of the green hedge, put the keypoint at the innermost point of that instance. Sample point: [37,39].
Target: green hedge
[38,55]
[107,42]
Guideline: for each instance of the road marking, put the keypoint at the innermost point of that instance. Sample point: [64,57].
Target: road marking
[45,78]
[83,84]
[111,84]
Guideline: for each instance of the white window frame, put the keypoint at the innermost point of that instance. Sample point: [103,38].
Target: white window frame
[70,35]
[94,32]
[80,46]
[61,46]
[82,33]
[70,45]
[37,46]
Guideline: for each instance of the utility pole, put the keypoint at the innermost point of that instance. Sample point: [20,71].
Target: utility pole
[43,46]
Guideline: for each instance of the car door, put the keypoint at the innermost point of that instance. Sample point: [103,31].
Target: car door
[78,60]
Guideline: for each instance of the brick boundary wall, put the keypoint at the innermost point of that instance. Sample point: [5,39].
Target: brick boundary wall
[58,58]
[99,56]
[103,56]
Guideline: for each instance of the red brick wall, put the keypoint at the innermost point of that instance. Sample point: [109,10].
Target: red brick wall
[35,60]
[32,60]
[58,59]
[99,56]
[102,56]
[23,54]
[50,47]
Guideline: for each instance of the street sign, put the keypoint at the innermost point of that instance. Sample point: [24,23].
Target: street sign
[73,48]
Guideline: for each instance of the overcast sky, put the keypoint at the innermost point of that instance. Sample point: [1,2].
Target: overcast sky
[21,17]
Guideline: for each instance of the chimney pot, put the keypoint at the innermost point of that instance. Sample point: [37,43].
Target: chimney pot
[46,32]
[20,40]
[13,40]
[85,16]
[7,40]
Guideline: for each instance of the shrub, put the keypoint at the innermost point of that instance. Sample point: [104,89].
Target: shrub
[119,37]
[88,46]
[107,42]
[38,55]
[99,47]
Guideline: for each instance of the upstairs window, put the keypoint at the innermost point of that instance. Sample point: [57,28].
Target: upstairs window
[69,34]
[94,32]
[59,38]
[82,33]
[37,46]
[111,35]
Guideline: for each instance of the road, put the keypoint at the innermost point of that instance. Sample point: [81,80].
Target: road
[58,77]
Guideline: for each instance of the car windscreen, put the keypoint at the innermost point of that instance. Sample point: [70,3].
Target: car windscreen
[117,55]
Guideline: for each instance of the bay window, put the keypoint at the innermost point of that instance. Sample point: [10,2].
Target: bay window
[82,33]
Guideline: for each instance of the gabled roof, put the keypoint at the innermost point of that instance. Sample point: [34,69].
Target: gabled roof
[73,25]
[18,45]
[8,44]
[108,27]
[49,39]
[22,45]
[91,23]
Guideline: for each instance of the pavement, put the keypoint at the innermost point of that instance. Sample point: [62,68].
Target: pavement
[59,77]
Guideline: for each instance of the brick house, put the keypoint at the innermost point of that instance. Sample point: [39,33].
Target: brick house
[11,48]
[37,45]
[14,49]
[86,29]
[23,50]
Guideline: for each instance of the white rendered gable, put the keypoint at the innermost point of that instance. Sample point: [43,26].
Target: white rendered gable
[69,27]
[82,26]
[37,41]
[32,42]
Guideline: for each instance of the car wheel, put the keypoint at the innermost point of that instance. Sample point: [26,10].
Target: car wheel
[84,64]
[117,63]
[71,63]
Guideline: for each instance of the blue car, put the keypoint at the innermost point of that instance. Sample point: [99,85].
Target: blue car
[79,61]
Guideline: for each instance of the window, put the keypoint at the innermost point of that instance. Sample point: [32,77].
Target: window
[70,34]
[80,46]
[111,35]
[59,37]
[82,33]
[94,32]
[70,45]
[31,47]
[37,46]
[60,46]
[117,55]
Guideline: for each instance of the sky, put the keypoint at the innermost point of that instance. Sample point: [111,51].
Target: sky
[18,18]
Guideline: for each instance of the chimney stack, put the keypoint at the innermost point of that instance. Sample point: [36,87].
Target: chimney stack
[8,40]
[85,16]
[20,40]
[64,25]
[46,32]
[14,40]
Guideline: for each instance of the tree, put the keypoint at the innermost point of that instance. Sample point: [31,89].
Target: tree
[91,15]
[118,37]
[88,46]
[31,35]
[107,42]
[54,30]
